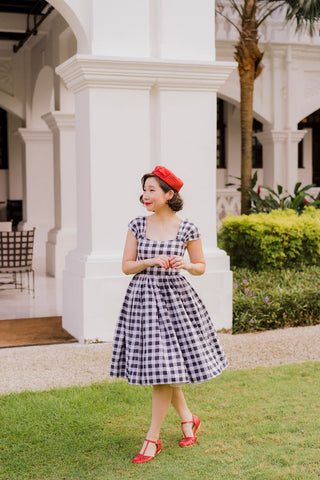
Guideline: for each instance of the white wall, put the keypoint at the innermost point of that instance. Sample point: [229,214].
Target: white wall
[15,191]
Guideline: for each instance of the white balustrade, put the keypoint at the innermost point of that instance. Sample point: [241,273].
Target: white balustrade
[228,201]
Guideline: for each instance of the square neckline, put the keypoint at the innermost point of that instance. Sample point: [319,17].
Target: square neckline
[151,240]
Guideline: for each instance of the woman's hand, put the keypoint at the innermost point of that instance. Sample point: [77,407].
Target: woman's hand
[160,261]
[179,262]
[196,265]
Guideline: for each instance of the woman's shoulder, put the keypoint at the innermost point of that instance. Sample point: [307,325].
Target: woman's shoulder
[189,230]
[139,219]
[137,225]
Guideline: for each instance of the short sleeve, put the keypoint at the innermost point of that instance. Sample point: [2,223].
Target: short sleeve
[191,232]
[136,226]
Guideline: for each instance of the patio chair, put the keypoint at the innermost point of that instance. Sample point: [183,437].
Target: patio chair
[16,255]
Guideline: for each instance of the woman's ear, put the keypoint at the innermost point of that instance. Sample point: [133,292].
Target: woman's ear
[170,194]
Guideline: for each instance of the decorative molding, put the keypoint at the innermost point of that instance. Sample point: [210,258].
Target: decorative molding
[58,121]
[280,136]
[35,136]
[82,71]
[297,135]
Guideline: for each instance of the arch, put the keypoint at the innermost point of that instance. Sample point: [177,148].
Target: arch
[230,91]
[77,14]
[43,97]
[236,103]
[308,107]
[11,104]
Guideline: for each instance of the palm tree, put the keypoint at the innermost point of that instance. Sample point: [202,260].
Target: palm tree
[305,12]
[248,56]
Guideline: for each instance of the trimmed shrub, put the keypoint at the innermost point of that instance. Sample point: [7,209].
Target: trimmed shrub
[266,301]
[280,239]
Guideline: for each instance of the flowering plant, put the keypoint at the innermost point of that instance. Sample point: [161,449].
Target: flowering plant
[279,199]
[280,299]
[245,290]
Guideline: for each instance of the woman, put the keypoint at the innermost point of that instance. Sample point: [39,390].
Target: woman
[164,336]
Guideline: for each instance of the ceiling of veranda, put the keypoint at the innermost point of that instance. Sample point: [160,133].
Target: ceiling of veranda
[22,20]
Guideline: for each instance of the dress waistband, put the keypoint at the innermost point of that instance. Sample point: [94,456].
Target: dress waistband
[160,272]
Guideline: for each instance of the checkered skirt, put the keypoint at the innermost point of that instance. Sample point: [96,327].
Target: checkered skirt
[164,334]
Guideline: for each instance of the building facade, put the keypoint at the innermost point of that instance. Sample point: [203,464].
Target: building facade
[97,95]
[286,109]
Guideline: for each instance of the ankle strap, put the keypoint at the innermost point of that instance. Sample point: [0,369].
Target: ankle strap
[151,441]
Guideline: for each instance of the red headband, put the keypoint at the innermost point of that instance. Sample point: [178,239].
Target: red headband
[168,177]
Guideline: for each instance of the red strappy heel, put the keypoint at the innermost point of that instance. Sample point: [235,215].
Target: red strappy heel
[186,441]
[141,458]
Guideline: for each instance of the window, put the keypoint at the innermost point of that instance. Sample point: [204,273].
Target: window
[257,161]
[300,154]
[3,140]
[221,158]
[312,122]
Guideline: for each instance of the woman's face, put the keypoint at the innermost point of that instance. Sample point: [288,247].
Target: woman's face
[153,196]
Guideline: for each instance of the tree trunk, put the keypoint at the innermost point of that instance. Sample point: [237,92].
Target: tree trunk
[249,58]
[246,119]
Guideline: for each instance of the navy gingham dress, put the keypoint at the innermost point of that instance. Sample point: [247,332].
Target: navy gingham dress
[164,334]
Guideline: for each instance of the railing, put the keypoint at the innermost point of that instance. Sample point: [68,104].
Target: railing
[228,201]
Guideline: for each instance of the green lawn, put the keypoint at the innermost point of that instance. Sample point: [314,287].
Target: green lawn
[256,424]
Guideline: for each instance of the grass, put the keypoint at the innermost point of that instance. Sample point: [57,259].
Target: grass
[256,424]
[293,299]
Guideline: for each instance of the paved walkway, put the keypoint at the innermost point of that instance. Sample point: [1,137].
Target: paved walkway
[46,367]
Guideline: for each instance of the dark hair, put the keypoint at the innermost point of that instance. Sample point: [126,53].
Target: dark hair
[175,203]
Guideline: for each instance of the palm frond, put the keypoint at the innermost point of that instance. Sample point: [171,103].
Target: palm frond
[305,12]
[266,9]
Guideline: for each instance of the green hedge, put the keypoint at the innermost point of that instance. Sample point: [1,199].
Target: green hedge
[280,239]
[278,299]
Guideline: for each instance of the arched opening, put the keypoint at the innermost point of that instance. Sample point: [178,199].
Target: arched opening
[43,97]
[30,88]
[309,147]
[229,154]
[229,141]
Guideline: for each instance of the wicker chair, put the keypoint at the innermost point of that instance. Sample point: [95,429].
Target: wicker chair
[16,255]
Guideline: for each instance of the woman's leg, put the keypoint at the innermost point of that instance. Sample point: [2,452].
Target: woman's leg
[179,403]
[161,400]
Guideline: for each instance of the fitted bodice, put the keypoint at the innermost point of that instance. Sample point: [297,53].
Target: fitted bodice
[148,248]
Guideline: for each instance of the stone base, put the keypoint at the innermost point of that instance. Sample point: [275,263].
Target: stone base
[59,244]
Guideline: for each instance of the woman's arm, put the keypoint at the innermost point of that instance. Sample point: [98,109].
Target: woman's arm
[131,265]
[197,264]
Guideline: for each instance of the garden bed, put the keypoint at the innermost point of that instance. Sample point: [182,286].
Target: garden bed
[278,299]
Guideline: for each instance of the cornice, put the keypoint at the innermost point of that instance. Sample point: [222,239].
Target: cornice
[57,121]
[280,136]
[83,71]
[37,136]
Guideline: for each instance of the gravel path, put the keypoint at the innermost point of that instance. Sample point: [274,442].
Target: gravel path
[46,367]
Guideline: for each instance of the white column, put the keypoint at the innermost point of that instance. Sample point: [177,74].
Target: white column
[122,130]
[187,145]
[62,238]
[292,173]
[280,157]
[38,195]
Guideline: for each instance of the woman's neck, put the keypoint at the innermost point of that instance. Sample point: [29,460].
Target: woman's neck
[164,214]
